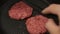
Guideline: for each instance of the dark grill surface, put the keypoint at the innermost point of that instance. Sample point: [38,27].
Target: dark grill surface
[10,26]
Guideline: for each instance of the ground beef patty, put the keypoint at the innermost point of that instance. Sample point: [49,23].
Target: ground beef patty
[20,10]
[36,24]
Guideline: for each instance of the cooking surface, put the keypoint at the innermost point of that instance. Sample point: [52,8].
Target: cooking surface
[10,26]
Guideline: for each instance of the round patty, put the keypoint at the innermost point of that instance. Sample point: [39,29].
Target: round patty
[20,10]
[36,24]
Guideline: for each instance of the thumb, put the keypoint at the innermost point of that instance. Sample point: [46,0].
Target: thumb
[52,27]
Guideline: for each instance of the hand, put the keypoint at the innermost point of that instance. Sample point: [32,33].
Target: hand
[50,25]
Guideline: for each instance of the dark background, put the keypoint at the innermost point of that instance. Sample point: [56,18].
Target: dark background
[10,26]
[51,1]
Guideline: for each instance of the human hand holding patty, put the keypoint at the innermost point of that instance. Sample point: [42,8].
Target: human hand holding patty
[50,25]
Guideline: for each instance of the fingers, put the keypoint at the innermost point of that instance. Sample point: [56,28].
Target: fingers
[46,10]
[52,27]
[53,8]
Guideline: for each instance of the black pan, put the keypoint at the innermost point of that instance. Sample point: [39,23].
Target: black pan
[11,26]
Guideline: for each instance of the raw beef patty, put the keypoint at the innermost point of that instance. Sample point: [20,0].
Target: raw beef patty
[36,24]
[20,10]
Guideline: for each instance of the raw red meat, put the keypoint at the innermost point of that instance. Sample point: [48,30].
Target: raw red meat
[36,25]
[20,10]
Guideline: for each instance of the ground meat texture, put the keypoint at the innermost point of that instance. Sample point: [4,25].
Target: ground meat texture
[36,24]
[20,10]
